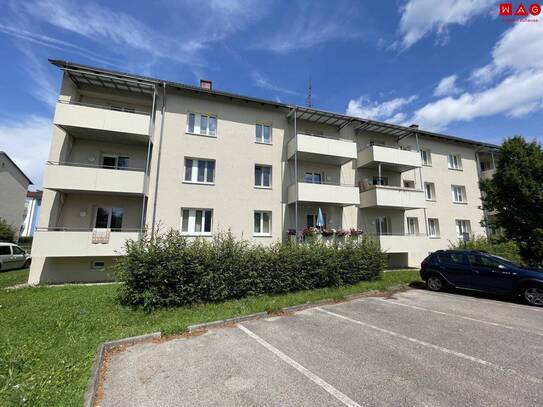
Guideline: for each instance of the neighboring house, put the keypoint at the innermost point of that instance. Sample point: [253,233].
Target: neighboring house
[130,152]
[31,213]
[13,187]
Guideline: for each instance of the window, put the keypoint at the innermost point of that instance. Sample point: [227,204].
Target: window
[109,218]
[17,250]
[199,171]
[263,134]
[455,162]
[380,180]
[412,226]
[382,225]
[462,226]
[433,227]
[202,124]
[196,221]
[458,193]
[426,157]
[451,258]
[114,161]
[5,250]
[98,265]
[312,220]
[262,223]
[408,184]
[262,176]
[482,261]
[313,177]
[430,191]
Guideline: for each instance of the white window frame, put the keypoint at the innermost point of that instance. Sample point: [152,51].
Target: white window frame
[430,186]
[197,131]
[433,223]
[426,157]
[96,267]
[262,186]
[261,226]
[191,223]
[259,139]
[116,157]
[462,226]
[462,194]
[109,211]
[454,162]
[194,172]
[383,220]
[412,225]
[313,173]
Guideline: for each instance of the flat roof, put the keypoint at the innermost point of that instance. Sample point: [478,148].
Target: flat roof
[143,84]
[16,166]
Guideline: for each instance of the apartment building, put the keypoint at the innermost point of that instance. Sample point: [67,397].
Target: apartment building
[130,152]
[13,188]
[31,213]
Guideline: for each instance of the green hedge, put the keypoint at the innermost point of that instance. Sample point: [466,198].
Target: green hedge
[506,249]
[171,270]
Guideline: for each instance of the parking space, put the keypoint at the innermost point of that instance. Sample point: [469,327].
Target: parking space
[416,348]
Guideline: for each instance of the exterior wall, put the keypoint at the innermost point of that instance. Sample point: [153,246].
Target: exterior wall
[31,214]
[13,186]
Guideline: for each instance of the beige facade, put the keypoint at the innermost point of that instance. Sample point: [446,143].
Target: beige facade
[13,188]
[130,153]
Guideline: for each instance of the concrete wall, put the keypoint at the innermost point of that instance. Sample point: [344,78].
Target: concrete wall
[13,187]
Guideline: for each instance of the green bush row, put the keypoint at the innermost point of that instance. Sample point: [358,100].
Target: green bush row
[171,270]
[507,249]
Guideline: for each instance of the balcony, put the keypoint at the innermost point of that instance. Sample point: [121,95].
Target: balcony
[400,243]
[488,174]
[78,243]
[384,196]
[96,121]
[71,177]
[343,195]
[390,158]
[322,149]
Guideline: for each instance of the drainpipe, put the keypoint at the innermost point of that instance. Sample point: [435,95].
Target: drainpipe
[296,172]
[147,169]
[163,112]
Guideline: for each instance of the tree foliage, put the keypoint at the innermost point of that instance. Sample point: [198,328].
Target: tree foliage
[515,192]
[7,232]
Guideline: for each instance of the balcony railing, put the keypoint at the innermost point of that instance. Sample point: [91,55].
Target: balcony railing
[93,178]
[325,193]
[392,158]
[400,243]
[385,196]
[322,149]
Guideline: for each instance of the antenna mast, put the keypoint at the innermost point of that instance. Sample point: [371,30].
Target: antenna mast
[309,101]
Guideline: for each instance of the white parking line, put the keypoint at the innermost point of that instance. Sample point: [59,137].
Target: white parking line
[432,346]
[307,373]
[457,316]
[495,302]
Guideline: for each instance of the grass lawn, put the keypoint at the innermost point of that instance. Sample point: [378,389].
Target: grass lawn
[49,335]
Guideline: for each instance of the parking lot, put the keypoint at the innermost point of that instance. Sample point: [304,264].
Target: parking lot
[415,348]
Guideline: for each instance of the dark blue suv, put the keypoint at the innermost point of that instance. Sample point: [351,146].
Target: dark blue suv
[476,270]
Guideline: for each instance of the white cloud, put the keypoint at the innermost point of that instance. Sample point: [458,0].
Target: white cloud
[42,85]
[516,95]
[264,83]
[386,111]
[27,141]
[447,86]
[422,17]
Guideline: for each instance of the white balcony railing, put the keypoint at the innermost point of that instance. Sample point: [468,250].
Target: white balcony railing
[73,177]
[400,243]
[102,118]
[324,193]
[390,157]
[322,149]
[488,174]
[60,242]
[384,196]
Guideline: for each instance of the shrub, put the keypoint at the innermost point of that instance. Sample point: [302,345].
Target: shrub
[7,232]
[504,248]
[170,270]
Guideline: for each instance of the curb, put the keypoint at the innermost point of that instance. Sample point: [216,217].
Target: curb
[90,392]
[213,324]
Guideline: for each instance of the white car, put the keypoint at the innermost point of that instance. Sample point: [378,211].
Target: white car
[13,257]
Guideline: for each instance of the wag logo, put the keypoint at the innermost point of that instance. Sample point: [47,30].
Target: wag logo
[519,12]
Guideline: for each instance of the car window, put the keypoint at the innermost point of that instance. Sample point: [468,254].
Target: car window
[4,250]
[17,250]
[482,261]
[451,258]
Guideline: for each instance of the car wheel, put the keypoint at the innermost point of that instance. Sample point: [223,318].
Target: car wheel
[435,283]
[533,295]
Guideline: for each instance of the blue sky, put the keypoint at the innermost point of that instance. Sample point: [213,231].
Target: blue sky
[450,66]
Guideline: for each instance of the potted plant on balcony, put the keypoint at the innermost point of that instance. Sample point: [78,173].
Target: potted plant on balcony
[328,232]
[355,232]
[343,233]
[291,233]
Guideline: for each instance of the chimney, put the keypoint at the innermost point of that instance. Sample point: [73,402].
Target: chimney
[414,126]
[206,84]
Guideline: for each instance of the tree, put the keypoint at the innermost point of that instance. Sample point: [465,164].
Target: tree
[515,192]
[7,233]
